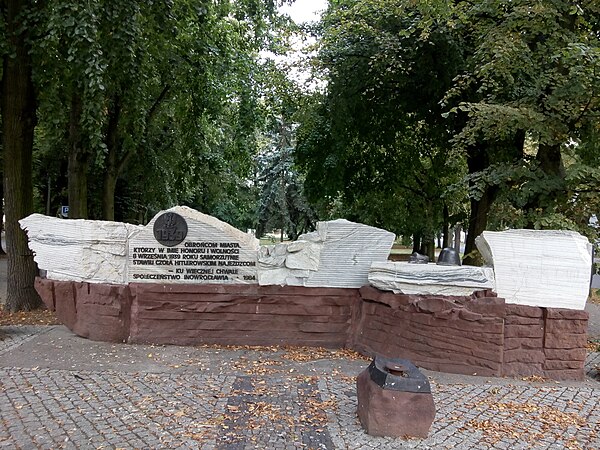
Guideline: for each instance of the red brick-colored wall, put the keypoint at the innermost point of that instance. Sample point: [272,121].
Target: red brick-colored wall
[449,334]
[477,334]
[241,315]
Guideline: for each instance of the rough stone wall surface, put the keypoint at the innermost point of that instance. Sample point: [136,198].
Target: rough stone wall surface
[523,341]
[565,341]
[99,312]
[437,333]
[79,250]
[248,315]
[477,334]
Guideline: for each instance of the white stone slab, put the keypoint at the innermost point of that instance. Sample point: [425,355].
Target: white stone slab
[278,266]
[79,250]
[348,251]
[338,254]
[430,279]
[544,268]
[211,252]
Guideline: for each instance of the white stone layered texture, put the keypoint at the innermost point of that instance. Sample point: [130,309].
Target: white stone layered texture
[338,254]
[79,250]
[430,279]
[539,267]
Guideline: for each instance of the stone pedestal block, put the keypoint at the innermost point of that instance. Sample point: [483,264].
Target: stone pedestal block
[394,399]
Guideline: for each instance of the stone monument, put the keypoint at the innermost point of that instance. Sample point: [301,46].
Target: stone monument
[187,278]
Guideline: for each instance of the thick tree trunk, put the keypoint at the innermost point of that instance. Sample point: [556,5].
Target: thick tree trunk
[477,224]
[111,162]
[416,243]
[18,123]
[549,158]
[478,160]
[428,247]
[2,252]
[108,195]
[78,164]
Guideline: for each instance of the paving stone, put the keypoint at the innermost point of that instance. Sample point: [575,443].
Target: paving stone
[208,398]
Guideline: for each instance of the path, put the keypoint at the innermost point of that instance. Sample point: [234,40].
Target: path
[58,390]
[61,391]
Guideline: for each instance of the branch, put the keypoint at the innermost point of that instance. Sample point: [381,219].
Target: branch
[585,191]
[153,109]
[415,191]
[150,115]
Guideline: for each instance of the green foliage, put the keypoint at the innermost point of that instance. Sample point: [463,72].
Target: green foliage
[282,204]
[172,96]
[534,67]
[377,141]
[438,103]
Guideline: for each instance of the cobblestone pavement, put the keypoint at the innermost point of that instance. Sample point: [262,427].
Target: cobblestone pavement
[61,391]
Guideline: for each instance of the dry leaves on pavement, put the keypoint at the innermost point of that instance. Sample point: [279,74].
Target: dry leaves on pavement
[35,317]
[550,421]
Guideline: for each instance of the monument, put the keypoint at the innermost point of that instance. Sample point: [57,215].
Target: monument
[187,278]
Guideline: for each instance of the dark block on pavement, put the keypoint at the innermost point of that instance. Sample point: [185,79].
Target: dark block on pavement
[394,399]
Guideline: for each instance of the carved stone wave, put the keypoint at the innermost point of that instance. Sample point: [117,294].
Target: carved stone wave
[548,268]
[430,279]
[79,250]
[338,254]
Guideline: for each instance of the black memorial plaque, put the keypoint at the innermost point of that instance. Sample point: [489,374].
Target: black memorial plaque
[170,229]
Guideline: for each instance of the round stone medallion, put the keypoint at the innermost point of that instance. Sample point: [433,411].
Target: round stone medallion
[170,229]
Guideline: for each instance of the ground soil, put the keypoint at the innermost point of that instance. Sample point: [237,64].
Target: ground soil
[594,296]
[36,317]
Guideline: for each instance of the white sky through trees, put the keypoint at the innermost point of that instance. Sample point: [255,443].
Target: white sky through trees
[305,10]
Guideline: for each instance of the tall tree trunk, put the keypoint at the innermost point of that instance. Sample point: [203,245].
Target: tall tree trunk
[478,160]
[18,104]
[108,195]
[478,223]
[111,162]
[549,158]
[416,243]
[116,159]
[457,231]
[446,228]
[2,252]
[78,163]
[428,247]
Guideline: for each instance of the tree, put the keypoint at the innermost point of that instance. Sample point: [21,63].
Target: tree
[168,82]
[535,66]
[18,105]
[474,81]
[387,152]
[123,82]
[282,203]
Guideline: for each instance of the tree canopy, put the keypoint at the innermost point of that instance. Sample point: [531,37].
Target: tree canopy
[428,114]
[434,108]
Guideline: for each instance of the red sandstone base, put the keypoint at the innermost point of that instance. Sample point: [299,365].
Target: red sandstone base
[474,335]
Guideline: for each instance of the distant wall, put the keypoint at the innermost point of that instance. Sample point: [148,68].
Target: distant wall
[477,334]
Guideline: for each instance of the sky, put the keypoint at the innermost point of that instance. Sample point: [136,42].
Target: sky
[304,10]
